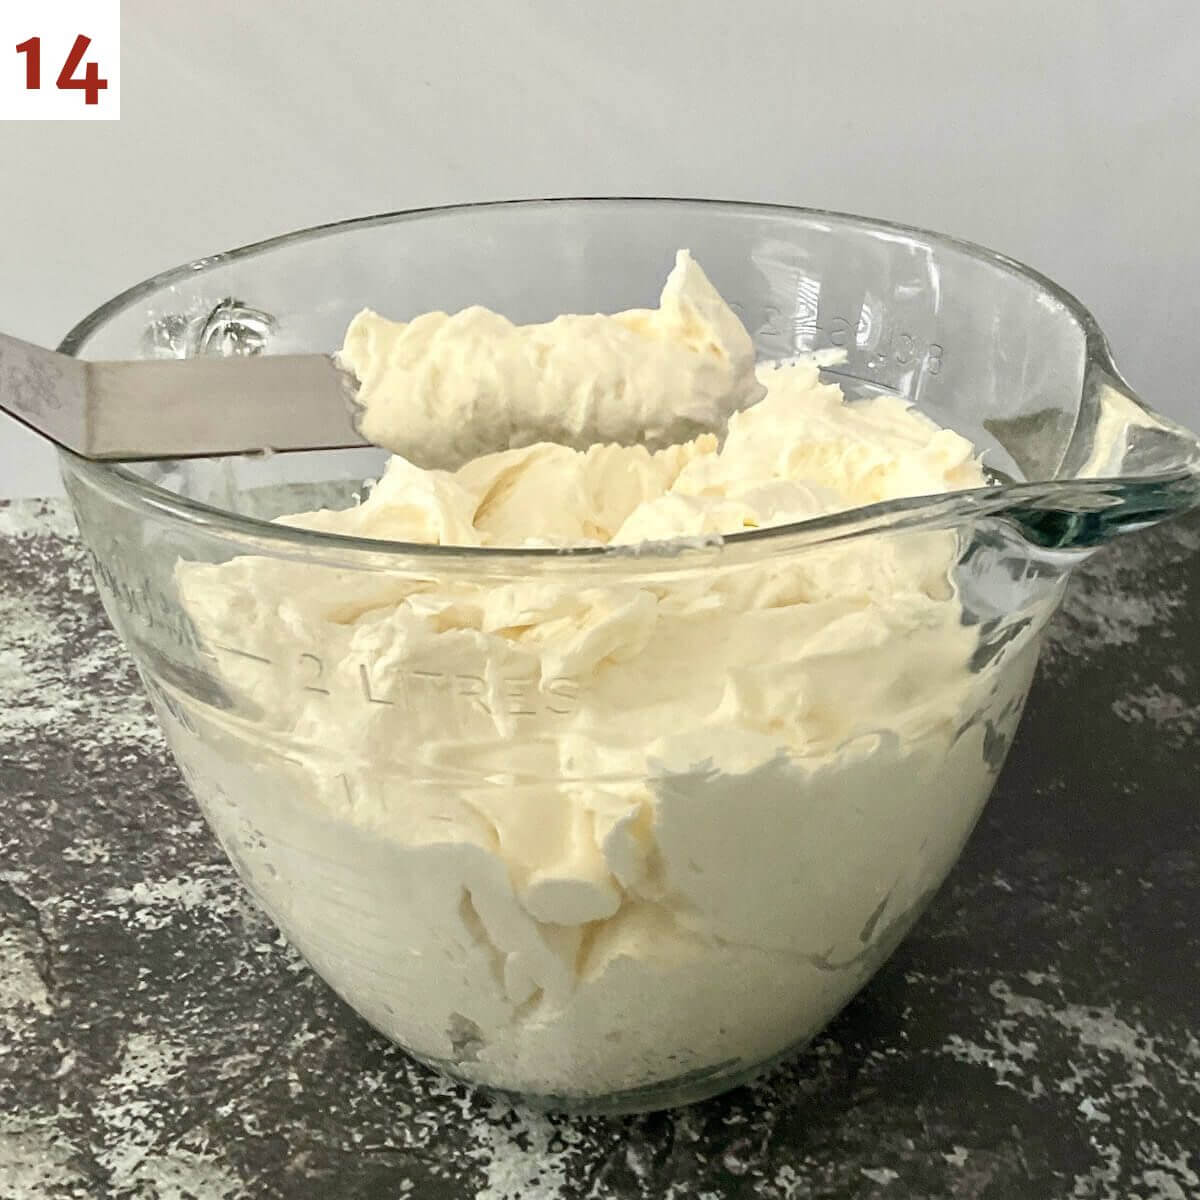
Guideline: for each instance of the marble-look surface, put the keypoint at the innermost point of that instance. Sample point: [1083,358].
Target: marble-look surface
[1038,1036]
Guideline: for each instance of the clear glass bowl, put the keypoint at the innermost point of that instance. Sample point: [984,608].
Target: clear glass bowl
[599,906]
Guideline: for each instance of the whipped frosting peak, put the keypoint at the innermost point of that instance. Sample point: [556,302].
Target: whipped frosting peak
[802,451]
[442,389]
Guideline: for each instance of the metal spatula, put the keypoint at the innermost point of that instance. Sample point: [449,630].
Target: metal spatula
[179,408]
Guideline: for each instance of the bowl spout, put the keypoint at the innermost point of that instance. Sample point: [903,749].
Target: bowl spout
[1125,468]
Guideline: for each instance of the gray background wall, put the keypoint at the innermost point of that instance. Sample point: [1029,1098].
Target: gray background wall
[1066,134]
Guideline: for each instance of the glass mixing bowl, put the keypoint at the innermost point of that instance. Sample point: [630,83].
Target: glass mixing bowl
[607,873]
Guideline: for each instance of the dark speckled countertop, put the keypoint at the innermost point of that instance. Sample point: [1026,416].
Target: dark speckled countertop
[1037,1036]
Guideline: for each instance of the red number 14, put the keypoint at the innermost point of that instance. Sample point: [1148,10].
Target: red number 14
[89,83]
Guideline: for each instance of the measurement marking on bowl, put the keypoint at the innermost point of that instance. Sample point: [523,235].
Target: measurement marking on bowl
[867,332]
[864,379]
[364,678]
[242,653]
[522,697]
[516,697]
[136,596]
[308,656]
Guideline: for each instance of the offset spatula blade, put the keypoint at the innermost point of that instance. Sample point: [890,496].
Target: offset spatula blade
[179,408]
